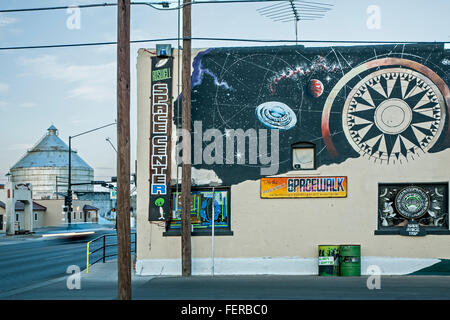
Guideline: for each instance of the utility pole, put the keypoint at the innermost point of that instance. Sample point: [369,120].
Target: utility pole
[69,189]
[123,146]
[186,259]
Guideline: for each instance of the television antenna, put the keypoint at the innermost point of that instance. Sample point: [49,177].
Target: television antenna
[295,11]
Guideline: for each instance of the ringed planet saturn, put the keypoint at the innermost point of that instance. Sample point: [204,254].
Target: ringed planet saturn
[276,115]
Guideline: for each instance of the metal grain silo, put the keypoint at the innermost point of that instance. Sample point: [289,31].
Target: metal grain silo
[46,167]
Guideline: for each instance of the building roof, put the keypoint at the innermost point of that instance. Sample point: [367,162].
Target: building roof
[89,207]
[20,206]
[94,195]
[50,151]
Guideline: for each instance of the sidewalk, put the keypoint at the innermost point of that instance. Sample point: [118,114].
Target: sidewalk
[101,284]
[5,240]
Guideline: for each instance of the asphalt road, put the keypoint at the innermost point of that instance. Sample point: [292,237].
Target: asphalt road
[293,288]
[27,268]
[102,285]
[30,261]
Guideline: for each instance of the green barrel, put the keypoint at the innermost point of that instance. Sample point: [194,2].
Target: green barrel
[350,262]
[328,260]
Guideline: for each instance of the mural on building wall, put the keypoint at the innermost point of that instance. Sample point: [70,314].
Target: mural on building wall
[385,103]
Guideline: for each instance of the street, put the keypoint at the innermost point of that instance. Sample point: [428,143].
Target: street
[101,284]
[30,261]
[35,268]
[272,287]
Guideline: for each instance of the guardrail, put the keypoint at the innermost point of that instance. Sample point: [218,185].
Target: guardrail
[103,248]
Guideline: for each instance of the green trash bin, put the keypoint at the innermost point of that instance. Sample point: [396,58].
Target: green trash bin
[328,260]
[350,262]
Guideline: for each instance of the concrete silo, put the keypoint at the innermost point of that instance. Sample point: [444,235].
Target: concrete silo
[46,167]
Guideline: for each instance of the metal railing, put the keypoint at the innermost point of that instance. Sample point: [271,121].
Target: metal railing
[103,248]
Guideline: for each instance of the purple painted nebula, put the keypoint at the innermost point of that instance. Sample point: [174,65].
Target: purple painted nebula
[199,72]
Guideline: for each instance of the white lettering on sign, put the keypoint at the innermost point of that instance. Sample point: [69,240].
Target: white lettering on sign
[159,151]
[326,261]
[413,229]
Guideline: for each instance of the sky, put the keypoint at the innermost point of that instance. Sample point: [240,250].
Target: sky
[75,88]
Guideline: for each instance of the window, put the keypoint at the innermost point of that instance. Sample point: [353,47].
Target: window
[17,217]
[35,216]
[402,204]
[89,214]
[81,215]
[204,202]
[74,215]
[303,155]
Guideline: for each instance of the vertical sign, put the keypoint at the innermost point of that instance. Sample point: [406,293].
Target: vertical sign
[160,138]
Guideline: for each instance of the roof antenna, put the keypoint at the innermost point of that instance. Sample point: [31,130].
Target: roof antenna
[295,11]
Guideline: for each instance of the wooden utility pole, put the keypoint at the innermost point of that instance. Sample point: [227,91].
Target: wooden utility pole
[123,152]
[186,262]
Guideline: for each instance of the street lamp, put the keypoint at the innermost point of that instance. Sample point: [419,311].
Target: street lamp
[109,140]
[69,188]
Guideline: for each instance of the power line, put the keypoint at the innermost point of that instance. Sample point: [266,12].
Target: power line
[82,6]
[164,4]
[58,8]
[219,39]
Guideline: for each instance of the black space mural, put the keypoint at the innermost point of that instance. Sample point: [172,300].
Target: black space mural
[386,103]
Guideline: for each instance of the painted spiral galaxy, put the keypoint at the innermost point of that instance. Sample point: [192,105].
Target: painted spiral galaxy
[276,115]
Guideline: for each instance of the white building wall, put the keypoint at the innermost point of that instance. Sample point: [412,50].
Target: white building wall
[281,236]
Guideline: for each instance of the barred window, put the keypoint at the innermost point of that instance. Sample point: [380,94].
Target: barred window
[425,204]
[206,205]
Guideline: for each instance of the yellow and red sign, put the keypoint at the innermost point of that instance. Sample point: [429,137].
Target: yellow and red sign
[304,187]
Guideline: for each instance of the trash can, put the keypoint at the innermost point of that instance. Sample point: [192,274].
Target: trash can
[328,260]
[350,262]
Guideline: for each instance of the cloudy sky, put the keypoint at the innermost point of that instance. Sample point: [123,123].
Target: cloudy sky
[74,88]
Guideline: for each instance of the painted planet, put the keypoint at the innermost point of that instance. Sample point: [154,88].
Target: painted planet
[276,115]
[315,88]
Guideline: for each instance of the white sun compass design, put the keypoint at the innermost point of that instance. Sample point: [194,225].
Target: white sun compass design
[393,114]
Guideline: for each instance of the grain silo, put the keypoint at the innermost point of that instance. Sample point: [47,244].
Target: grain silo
[46,167]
